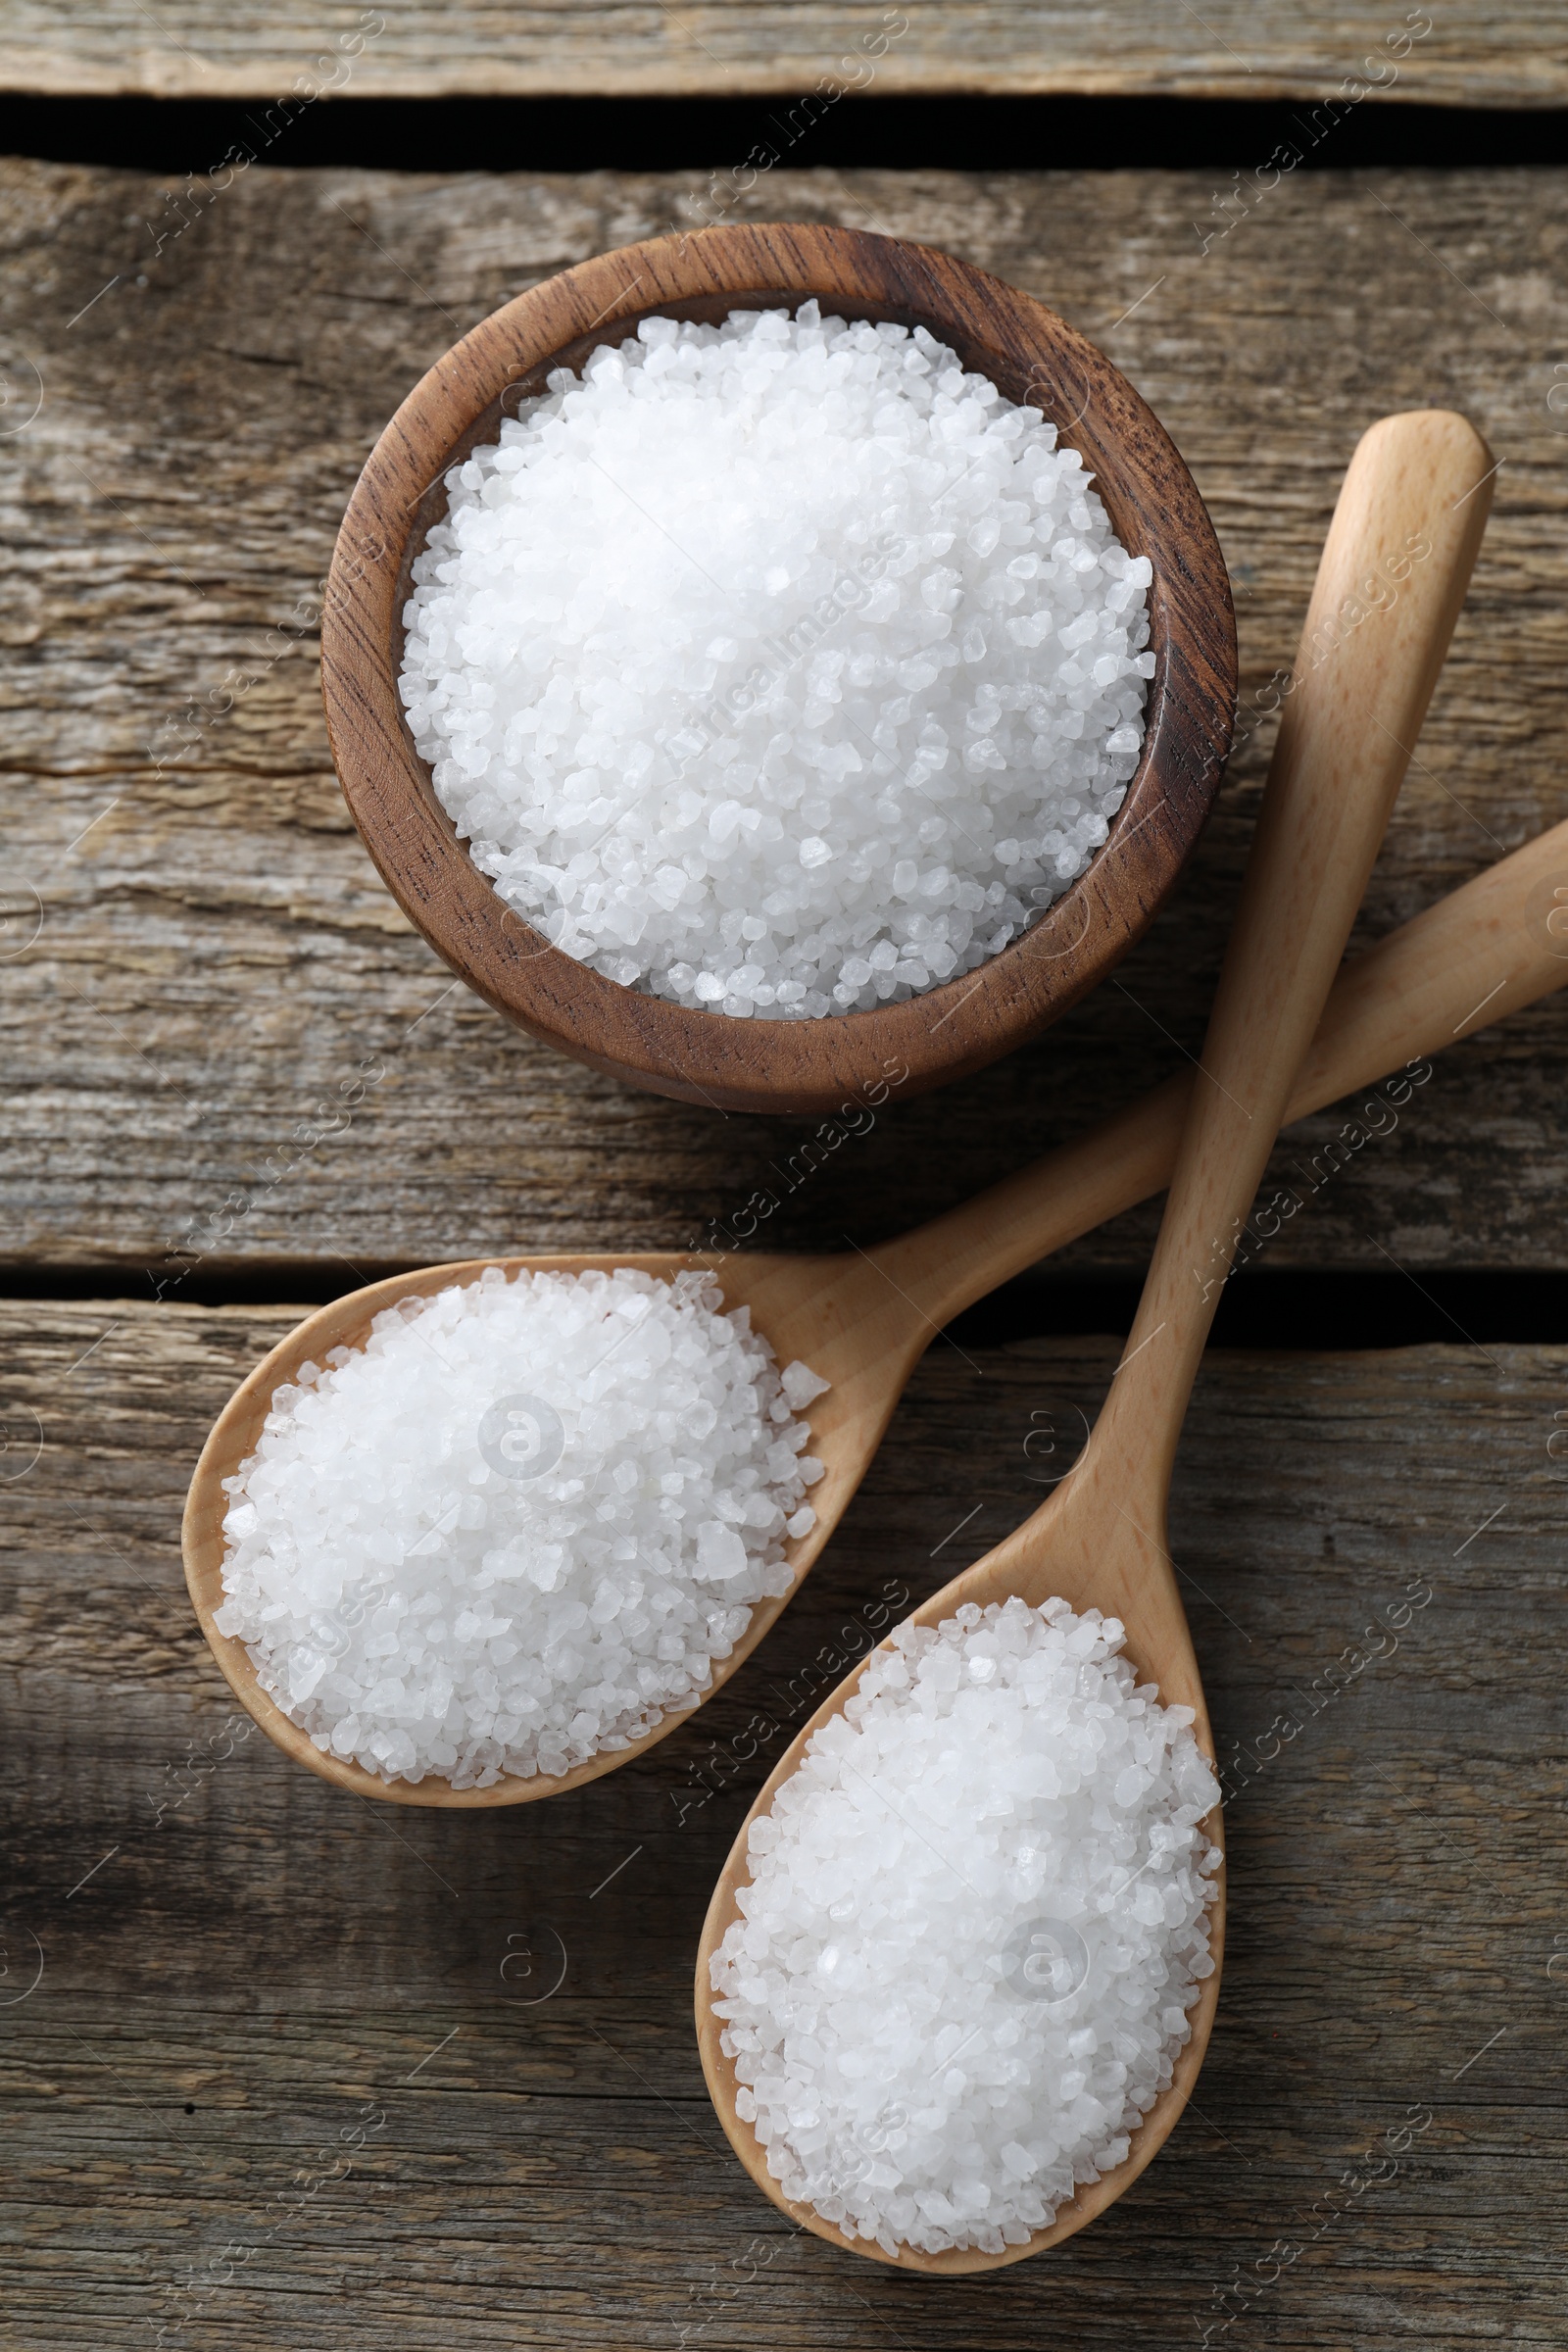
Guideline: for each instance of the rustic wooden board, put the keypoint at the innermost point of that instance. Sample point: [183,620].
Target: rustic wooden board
[217,956]
[1475,54]
[241,1967]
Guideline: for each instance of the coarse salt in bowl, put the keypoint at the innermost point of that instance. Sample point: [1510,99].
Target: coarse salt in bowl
[781,666]
[649,843]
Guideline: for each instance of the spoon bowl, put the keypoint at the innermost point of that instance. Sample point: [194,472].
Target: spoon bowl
[1033,357]
[1048,1557]
[794,1301]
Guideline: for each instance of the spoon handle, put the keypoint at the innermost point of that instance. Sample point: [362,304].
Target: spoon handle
[1389,587]
[1497,943]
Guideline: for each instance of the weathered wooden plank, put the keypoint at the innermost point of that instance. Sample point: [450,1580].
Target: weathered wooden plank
[217,956]
[231,1986]
[1475,54]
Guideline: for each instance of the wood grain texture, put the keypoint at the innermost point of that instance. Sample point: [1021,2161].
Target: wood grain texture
[1475,54]
[217,956]
[699,1056]
[256,1959]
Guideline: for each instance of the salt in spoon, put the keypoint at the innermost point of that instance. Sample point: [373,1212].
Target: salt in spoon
[1100,1541]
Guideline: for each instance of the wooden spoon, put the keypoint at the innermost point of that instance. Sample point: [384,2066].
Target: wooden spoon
[1100,1540]
[863,1320]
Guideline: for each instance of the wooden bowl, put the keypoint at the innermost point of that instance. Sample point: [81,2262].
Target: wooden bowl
[810,1065]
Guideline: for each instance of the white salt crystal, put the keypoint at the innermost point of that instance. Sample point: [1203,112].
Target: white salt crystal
[520,1526]
[800,1384]
[969,1943]
[765,646]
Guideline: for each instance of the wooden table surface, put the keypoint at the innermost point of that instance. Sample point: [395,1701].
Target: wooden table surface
[287,2070]
[1468,53]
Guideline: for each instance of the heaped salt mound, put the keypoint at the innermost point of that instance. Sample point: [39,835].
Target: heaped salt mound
[780,667]
[520,1526]
[975,1924]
